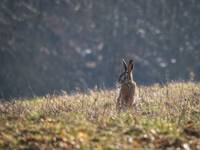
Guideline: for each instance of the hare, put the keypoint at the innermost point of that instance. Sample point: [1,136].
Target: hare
[127,93]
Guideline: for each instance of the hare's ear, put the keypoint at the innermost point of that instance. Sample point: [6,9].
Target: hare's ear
[124,64]
[130,65]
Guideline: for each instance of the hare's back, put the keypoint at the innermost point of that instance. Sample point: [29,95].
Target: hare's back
[128,89]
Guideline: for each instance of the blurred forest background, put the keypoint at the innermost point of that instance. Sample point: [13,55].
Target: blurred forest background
[53,45]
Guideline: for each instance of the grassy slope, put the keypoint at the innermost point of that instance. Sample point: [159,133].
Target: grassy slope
[167,117]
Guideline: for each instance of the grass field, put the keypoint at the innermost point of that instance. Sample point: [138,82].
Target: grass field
[167,117]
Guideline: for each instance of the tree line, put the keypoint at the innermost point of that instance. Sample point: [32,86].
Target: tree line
[48,46]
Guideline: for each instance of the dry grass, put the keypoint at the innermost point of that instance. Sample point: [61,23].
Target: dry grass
[167,116]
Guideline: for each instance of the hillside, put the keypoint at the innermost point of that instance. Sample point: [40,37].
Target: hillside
[167,116]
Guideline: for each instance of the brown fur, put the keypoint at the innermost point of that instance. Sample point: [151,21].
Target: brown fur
[127,94]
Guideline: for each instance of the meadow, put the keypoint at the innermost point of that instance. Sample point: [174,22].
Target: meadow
[167,117]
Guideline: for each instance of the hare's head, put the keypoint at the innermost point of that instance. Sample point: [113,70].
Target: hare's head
[126,76]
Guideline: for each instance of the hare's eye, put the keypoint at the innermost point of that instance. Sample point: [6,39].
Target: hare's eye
[125,77]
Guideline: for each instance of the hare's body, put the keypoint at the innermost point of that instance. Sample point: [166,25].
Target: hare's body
[127,94]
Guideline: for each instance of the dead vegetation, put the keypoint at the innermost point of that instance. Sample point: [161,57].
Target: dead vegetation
[167,116]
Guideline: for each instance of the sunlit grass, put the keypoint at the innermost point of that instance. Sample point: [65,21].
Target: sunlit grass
[166,116]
